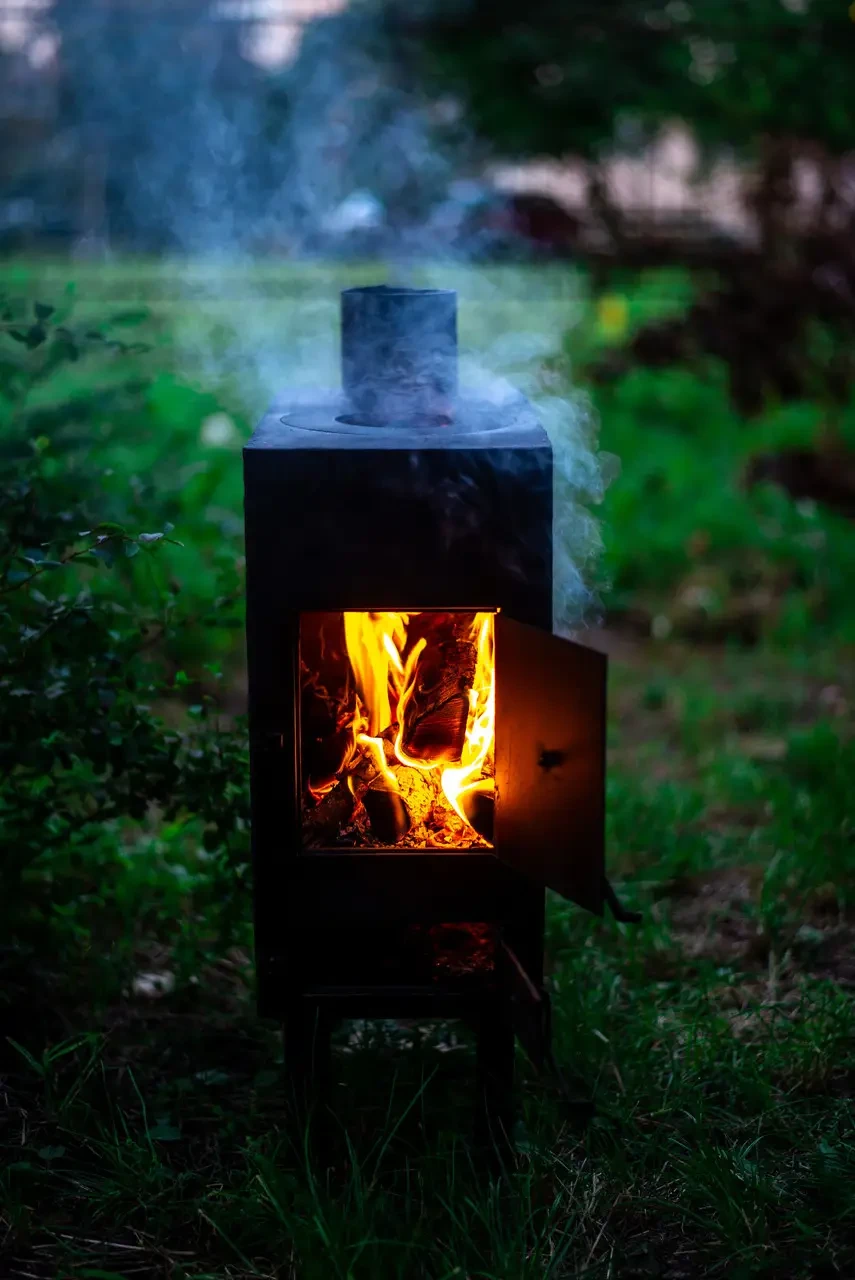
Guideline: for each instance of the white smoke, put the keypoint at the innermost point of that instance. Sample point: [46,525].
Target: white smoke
[253,200]
[513,326]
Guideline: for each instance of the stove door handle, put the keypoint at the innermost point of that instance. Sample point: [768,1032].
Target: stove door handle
[621,913]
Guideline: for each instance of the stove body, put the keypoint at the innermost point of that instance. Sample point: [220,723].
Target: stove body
[446,509]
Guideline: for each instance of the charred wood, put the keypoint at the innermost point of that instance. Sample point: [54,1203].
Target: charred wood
[479,808]
[418,789]
[436,715]
[326,757]
[388,816]
[326,742]
[322,825]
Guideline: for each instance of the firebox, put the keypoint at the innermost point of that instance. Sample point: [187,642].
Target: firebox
[426,756]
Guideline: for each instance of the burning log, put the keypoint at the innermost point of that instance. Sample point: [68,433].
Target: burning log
[323,824]
[379,749]
[375,785]
[388,816]
[325,758]
[335,809]
[436,713]
[479,808]
[418,791]
[325,743]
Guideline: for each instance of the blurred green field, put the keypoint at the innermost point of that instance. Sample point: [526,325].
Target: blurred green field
[717,1040]
[684,543]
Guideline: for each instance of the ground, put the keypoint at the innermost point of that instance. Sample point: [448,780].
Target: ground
[711,1048]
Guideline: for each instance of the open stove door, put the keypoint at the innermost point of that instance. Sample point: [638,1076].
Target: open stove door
[550,760]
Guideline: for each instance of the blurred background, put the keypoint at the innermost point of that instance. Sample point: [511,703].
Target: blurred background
[648,210]
[655,201]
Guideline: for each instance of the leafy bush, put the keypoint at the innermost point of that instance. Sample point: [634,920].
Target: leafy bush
[89,630]
[692,543]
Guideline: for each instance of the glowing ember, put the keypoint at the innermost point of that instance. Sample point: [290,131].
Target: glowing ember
[418,730]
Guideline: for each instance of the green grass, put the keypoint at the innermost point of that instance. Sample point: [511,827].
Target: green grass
[717,1042]
[146,1134]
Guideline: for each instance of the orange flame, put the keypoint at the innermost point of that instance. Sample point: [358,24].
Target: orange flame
[459,780]
[385,681]
[373,640]
[408,684]
[374,747]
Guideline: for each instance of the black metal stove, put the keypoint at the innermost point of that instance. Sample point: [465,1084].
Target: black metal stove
[399,568]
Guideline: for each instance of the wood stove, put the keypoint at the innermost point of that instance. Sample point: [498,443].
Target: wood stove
[426,756]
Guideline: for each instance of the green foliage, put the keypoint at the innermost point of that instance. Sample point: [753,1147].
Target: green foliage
[86,633]
[551,80]
[564,76]
[696,548]
[764,82]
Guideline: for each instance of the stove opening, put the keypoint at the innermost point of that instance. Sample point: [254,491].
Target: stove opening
[397,720]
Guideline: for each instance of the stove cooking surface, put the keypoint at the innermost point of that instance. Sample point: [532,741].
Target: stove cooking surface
[329,420]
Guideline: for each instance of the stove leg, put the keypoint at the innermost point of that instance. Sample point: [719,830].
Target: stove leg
[495,1076]
[308,1067]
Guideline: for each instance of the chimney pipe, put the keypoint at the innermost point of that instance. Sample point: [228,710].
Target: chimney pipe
[399,354]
